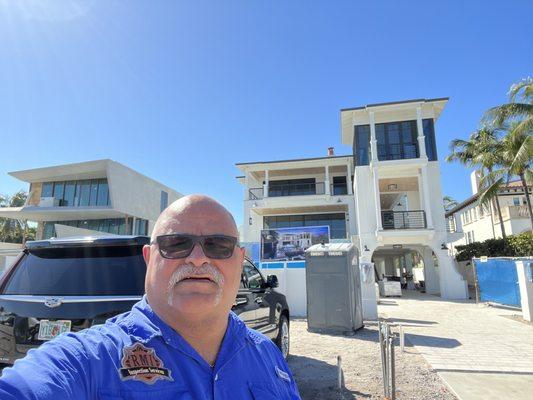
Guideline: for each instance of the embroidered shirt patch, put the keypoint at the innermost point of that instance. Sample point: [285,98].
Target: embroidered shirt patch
[141,363]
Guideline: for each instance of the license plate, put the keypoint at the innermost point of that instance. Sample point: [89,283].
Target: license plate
[50,329]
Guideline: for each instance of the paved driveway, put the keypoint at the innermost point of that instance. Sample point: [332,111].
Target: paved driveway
[482,352]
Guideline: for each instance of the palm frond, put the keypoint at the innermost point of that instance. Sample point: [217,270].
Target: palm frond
[490,192]
[527,85]
[524,127]
[497,116]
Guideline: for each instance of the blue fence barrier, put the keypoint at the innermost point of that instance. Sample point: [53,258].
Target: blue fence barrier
[497,281]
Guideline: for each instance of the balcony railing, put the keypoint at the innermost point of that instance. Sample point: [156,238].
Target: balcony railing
[295,189]
[397,151]
[403,219]
[337,189]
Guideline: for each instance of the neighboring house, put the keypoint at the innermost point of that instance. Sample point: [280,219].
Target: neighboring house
[94,197]
[386,198]
[472,222]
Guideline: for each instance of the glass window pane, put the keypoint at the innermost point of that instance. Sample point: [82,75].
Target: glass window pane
[59,188]
[70,190]
[93,225]
[48,189]
[103,193]
[393,131]
[85,193]
[113,226]
[94,192]
[121,226]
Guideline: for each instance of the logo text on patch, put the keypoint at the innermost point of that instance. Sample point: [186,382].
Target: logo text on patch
[140,363]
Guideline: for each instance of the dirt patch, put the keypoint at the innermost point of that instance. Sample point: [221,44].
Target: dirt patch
[313,361]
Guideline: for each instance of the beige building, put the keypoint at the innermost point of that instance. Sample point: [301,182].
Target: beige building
[93,197]
[470,222]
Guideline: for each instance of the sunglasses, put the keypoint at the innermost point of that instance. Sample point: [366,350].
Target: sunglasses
[179,245]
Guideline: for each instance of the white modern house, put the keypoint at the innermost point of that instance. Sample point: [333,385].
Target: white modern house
[386,197]
[93,197]
[475,223]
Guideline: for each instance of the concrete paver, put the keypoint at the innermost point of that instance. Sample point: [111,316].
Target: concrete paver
[476,349]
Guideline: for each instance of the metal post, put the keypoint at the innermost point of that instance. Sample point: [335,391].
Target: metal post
[475,280]
[392,370]
[402,339]
[339,373]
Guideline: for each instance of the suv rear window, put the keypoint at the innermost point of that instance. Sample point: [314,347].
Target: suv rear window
[80,271]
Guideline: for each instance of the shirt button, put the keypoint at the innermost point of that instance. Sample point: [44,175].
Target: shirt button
[216,377]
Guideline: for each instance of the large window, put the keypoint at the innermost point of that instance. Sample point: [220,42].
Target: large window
[397,140]
[431,145]
[294,187]
[117,226]
[164,200]
[88,192]
[361,145]
[336,222]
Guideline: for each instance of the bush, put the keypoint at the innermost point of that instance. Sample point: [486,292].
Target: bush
[514,246]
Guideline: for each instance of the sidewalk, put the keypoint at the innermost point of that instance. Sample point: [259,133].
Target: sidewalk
[481,352]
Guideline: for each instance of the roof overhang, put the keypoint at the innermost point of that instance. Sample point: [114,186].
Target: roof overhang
[83,170]
[303,163]
[33,213]
[388,112]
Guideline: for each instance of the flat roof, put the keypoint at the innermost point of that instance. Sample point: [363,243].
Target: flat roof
[396,102]
[294,160]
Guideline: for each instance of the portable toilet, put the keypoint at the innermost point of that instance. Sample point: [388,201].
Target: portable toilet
[333,288]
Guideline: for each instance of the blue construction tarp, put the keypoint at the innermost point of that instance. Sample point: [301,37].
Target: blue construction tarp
[497,281]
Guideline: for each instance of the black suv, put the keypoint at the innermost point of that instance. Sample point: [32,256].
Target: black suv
[62,285]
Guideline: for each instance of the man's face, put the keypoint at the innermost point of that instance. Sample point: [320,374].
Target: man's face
[195,285]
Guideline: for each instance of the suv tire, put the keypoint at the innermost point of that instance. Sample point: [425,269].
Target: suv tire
[283,338]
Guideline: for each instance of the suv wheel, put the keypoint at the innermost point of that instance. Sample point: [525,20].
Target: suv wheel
[283,339]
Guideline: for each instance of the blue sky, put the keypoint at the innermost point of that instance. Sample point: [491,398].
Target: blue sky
[182,90]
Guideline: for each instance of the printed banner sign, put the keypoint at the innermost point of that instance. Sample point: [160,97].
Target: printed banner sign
[290,243]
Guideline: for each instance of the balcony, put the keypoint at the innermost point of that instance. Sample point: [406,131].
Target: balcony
[401,151]
[294,189]
[403,219]
[512,212]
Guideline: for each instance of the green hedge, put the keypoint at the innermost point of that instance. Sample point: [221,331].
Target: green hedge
[514,246]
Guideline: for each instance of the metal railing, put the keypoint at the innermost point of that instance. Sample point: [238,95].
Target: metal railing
[337,189]
[292,189]
[388,365]
[398,151]
[403,219]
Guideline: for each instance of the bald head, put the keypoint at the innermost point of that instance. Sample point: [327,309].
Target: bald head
[195,214]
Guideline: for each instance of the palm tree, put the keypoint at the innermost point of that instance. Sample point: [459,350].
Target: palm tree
[13,228]
[519,109]
[449,203]
[516,150]
[481,151]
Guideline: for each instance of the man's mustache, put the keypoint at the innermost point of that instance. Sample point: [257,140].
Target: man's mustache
[190,271]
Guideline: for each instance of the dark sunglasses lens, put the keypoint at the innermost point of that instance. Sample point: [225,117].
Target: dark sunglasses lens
[174,246]
[218,247]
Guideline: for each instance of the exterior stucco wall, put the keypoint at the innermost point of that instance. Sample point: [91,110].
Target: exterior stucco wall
[135,194]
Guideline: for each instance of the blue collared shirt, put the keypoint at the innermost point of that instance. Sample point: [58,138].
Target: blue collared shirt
[136,355]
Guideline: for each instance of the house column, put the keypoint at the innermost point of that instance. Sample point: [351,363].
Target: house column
[349,178]
[409,269]
[265,185]
[377,201]
[326,181]
[373,141]
[246,185]
[421,137]
[427,203]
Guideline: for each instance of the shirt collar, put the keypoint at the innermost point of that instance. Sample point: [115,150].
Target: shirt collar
[143,324]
